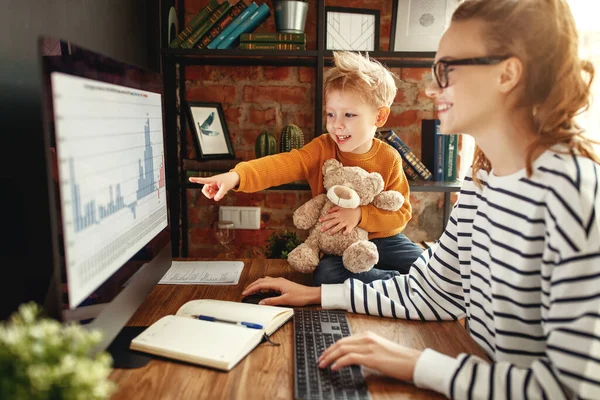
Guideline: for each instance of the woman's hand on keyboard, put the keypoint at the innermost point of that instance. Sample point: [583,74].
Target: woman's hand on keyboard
[292,294]
[372,351]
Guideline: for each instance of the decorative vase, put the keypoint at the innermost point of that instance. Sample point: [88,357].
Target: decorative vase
[291,138]
[290,16]
[265,145]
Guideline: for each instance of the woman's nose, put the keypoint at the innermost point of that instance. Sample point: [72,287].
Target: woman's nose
[433,89]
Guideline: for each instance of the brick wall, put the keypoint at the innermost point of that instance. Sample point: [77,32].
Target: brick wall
[259,98]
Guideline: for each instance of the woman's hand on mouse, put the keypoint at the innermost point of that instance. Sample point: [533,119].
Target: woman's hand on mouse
[292,294]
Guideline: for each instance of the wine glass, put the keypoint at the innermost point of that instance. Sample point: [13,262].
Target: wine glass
[224,233]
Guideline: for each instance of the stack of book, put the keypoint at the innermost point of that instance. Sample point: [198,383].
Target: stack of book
[273,41]
[414,169]
[439,152]
[219,26]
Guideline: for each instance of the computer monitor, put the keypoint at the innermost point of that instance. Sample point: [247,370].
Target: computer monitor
[105,142]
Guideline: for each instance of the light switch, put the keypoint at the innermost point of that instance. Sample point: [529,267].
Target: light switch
[242,217]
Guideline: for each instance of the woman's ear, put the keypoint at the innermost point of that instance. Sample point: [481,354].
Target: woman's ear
[511,74]
[382,116]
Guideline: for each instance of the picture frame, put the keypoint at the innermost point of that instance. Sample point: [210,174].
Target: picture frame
[341,31]
[418,25]
[209,128]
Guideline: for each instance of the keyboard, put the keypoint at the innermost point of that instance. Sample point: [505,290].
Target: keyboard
[314,331]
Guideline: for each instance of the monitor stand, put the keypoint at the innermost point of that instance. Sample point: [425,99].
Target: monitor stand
[123,356]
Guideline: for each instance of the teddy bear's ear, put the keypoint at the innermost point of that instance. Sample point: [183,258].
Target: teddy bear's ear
[376,181]
[330,165]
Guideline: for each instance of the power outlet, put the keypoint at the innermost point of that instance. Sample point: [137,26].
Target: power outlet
[242,217]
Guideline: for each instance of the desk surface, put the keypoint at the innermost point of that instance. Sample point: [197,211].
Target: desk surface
[268,371]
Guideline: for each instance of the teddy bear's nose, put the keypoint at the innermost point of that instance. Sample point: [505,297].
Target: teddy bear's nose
[343,193]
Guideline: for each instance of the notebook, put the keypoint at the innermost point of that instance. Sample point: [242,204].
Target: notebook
[215,344]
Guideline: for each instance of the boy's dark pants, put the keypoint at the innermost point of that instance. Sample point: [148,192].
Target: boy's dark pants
[396,255]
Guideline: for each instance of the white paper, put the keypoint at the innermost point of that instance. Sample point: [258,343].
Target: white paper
[203,273]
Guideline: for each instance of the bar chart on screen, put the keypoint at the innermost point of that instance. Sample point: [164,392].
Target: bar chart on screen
[109,141]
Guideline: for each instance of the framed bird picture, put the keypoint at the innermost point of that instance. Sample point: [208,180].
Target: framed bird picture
[210,130]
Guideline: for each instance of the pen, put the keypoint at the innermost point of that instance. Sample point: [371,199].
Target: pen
[213,319]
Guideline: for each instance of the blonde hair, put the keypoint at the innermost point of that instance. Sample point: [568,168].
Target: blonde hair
[543,36]
[368,78]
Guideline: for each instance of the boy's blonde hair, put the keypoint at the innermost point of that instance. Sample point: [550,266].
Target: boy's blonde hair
[368,78]
[543,36]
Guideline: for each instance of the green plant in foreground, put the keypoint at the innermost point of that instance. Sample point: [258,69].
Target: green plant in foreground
[43,359]
[279,244]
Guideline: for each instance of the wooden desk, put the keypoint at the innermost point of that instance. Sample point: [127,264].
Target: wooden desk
[268,371]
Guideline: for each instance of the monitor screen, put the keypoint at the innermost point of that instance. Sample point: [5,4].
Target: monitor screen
[109,208]
[110,157]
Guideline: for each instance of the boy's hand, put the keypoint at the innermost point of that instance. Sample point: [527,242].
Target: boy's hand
[217,186]
[341,218]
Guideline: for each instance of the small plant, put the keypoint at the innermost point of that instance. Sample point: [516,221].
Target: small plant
[280,243]
[43,359]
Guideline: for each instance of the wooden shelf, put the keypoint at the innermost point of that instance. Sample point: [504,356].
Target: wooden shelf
[289,58]
[289,186]
[301,58]
[415,186]
[427,186]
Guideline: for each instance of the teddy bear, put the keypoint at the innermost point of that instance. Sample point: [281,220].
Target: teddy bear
[347,187]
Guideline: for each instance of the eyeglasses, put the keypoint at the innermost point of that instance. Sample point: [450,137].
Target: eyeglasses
[439,69]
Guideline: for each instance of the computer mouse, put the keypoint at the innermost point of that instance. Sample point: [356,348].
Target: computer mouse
[254,298]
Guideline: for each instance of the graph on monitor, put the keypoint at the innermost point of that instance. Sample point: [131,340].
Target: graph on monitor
[113,195]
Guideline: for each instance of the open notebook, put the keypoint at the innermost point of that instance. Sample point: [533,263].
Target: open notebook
[219,345]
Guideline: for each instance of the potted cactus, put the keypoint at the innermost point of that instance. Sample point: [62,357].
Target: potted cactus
[265,145]
[291,138]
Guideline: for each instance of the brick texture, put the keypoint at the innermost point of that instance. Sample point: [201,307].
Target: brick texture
[258,98]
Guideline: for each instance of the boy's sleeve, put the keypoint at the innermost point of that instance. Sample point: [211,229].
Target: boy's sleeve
[278,169]
[374,219]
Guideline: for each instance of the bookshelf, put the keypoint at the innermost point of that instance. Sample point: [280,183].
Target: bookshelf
[174,63]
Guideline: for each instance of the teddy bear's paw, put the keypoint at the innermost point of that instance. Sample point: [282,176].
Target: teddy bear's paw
[360,256]
[303,259]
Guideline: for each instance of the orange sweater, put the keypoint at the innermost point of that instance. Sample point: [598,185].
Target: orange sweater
[306,164]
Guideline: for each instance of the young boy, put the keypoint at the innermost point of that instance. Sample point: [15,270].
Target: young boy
[358,95]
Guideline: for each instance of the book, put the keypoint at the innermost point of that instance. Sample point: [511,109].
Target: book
[410,173]
[203,28]
[274,37]
[407,155]
[450,157]
[432,148]
[216,344]
[234,24]
[249,25]
[194,23]
[271,46]
[233,13]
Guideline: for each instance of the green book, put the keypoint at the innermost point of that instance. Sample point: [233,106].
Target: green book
[450,157]
[206,26]
[274,37]
[271,46]
[223,23]
[194,23]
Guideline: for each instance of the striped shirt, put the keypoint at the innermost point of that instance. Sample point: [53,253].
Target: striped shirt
[520,258]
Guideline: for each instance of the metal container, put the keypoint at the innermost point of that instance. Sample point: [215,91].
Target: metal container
[290,16]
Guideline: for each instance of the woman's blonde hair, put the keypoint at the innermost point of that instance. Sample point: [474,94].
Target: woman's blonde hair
[368,78]
[543,36]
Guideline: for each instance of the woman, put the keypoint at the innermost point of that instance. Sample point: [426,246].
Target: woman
[520,256]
